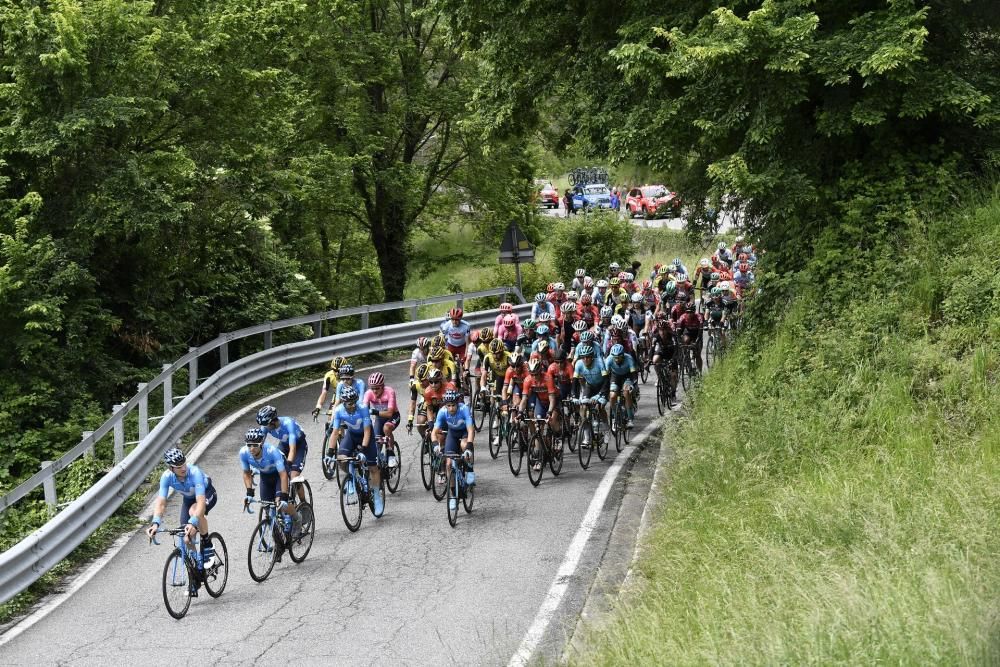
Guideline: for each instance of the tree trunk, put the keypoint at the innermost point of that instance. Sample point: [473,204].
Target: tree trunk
[390,230]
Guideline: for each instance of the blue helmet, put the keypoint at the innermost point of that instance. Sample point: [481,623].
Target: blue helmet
[266,415]
[617,350]
[542,330]
[586,351]
[255,436]
[349,395]
[173,457]
[451,396]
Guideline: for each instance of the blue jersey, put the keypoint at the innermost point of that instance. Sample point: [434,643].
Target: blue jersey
[625,368]
[192,486]
[355,422]
[549,339]
[743,279]
[288,432]
[542,307]
[455,335]
[270,461]
[457,422]
[359,385]
[598,359]
[593,376]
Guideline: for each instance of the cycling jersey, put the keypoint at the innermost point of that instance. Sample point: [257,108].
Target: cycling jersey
[288,433]
[498,322]
[448,368]
[497,364]
[417,357]
[271,460]
[598,359]
[459,421]
[689,322]
[542,307]
[455,335]
[624,368]
[481,351]
[743,279]
[376,403]
[600,298]
[359,386]
[194,484]
[434,396]
[592,376]
[551,341]
[330,381]
[354,421]
[514,377]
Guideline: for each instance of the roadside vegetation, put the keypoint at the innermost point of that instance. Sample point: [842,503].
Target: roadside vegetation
[834,494]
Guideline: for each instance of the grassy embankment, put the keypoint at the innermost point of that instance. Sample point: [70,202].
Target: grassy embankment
[835,493]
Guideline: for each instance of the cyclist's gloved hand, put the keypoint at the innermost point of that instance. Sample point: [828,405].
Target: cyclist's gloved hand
[315,413]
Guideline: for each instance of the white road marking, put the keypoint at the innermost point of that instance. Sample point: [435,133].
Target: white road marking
[54,600]
[572,559]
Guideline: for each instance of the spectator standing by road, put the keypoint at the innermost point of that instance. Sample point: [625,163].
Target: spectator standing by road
[615,200]
[568,202]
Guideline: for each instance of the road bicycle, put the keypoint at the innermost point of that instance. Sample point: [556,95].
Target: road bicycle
[687,369]
[517,444]
[274,534]
[666,386]
[481,406]
[499,428]
[619,422]
[299,490]
[542,448]
[592,432]
[459,488]
[183,572]
[431,466]
[356,491]
[390,461]
[713,345]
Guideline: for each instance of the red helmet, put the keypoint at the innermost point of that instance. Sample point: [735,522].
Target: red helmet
[376,379]
[506,307]
[456,313]
[550,287]
[474,336]
[743,257]
[585,299]
[744,266]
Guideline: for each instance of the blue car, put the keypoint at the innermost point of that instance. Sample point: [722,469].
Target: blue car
[595,195]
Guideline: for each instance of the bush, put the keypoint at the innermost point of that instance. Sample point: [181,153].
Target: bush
[591,242]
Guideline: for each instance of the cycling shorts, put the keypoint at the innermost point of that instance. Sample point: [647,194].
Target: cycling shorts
[269,485]
[621,382]
[350,443]
[379,422]
[211,497]
[538,407]
[452,441]
[301,449]
[457,352]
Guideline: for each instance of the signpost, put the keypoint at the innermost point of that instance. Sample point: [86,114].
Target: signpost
[516,248]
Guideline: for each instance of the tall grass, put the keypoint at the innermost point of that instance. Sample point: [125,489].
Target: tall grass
[835,495]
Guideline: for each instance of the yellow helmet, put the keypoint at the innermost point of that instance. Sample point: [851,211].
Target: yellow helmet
[337,363]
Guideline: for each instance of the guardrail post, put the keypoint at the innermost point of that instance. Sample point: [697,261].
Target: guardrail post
[119,432]
[460,300]
[224,354]
[414,312]
[90,450]
[364,320]
[49,485]
[193,371]
[143,412]
[318,329]
[168,391]
[267,339]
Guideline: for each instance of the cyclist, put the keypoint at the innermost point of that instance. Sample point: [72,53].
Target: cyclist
[542,333]
[579,280]
[723,255]
[715,314]
[703,278]
[619,332]
[637,318]
[561,371]
[690,327]
[485,337]
[454,429]
[268,462]
[743,278]
[509,331]
[539,395]
[542,305]
[590,379]
[198,497]
[418,388]
[434,388]
[664,349]
[614,268]
[347,379]
[600,294]
[291,438]
[505,310]
[456,332]
[417,357]
[381,402]
[330,381]
[616,294]
[606,312]
[512,381]
[495,366]
[663,277]
[558,294]
[622,371]
[438,358]
[352,425]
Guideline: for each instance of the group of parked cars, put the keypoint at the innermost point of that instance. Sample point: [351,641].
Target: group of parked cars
[649,201]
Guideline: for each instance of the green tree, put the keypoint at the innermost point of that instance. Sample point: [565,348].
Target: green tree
[591,244]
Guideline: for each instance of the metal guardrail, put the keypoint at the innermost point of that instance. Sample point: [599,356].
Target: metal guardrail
[28,560]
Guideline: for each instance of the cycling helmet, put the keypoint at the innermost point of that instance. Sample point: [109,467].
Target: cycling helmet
[567,307]
[456,313]
[615,320]
[722,245]
[269,413]
[689,306]
[337,363]
[438,340]
[682,277]
[602,283]
[421,371]
[614,267]
[586,351]
[636,298]
[744,267]
[580,273]
[550,287]
[615,281]
[628,277]
[542,330]
[436,354]
[486,335]
[349,395]
[507,307]
[704,263]
[174,457]
[606,312]
[510,321]
[543,346]
[559,287]
[422,342]
[715,291]
[585,299]
[434,374]
[516,359]
[586,336]
[579,325]
[588,282]
[678,262]
[346,371]
[743,257]
[663,270]
[740,239]
[254,436]
[715,275]
[621,275]
[617,350]
[670,288]
[572,295]
[376,379]
[451,396]
[535,366]
[529,324]
[496,346]
[540,297]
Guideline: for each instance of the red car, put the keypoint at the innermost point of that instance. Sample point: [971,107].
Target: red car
[652,201]
[549,197]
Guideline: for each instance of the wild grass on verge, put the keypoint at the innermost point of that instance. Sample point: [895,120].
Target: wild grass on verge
[835,496]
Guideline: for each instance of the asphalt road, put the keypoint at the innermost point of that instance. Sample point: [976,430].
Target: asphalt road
[405,589]
[678,224]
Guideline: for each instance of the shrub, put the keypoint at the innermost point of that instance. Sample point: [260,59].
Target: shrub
[591,242]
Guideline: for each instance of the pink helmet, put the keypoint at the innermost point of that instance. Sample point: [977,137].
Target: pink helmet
[376,379]
[509,321]
[506,307]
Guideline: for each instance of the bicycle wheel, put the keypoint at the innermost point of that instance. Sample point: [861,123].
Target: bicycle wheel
[601,436]
[584,447]
[426,462]
[626,429]
[469,498]
[661,391]
[685,371]
[618,423]
[494,432]
[643,367]
[392,475]
[515,452]
[710,351]
[217,576]
[329,467]
[307,491]
[452,505]
[440,483]
[350,502]
[262,551]
[480,407]
[175,585]
[303,526]
[536,459]
[556,456]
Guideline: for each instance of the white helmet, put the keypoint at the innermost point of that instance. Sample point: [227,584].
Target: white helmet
[580,273]
[602,283]
[572,295]
[636,297]
[559,287]
[567,307]
[704,263]
[606,312]
[617,321]
[740,239]
[722,245]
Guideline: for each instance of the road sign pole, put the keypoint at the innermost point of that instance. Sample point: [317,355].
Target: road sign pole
[517,273]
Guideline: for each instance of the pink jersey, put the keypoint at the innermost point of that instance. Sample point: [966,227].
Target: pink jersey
[387,401]
[502,332]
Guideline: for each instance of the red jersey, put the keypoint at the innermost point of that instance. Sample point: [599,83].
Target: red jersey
[689,322]
[434,396]
[514,376]
[561,373]
[541,385]
[677,311]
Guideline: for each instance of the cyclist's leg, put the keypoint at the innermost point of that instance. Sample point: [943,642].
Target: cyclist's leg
[298,465]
